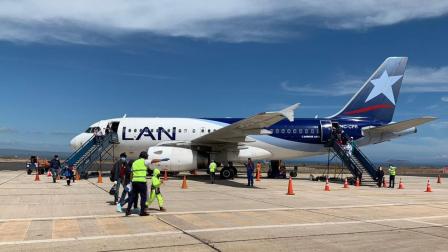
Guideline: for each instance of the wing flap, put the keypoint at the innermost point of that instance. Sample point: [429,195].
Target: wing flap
[399,126]
[254,125]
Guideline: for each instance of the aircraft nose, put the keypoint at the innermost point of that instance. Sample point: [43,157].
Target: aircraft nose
[79,140]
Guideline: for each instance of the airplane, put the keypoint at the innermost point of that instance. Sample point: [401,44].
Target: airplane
[187,144]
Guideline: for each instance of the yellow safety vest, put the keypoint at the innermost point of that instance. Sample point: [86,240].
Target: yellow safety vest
[139,170]
[392,170]
[212,167]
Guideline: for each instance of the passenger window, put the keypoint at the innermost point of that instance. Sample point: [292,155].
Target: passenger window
[306,131]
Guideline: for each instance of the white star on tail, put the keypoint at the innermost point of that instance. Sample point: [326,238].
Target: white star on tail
[383,85]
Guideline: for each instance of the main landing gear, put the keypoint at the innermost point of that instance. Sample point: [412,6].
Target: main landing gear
[228,172]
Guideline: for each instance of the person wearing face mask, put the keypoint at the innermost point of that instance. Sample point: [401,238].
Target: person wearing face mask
[55,165]
[118,175]
[155,190]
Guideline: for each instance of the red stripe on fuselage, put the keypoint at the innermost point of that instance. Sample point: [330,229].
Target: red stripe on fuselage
[370,108]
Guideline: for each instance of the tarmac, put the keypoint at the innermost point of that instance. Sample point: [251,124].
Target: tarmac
[227,216]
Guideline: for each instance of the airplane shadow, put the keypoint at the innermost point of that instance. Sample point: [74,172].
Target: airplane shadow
[232,183]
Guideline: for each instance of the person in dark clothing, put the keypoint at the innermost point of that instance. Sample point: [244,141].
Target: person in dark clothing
[250,172]
[55,165]
[68,173]
[380,176]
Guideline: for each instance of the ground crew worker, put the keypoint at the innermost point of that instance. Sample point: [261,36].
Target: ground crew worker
[155,190]
[250,172]
[258,169]
[212,169]
[139,172]
[392,173]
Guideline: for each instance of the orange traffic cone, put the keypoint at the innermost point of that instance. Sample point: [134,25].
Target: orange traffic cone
[345,183]
[290,190]
[165,176]
[357,183]
[428,187]
[184,183]
[100,178]
[400,185]
[37,176]
[258,175]
[439,180]
[327,186]
[385,183]
[49,173]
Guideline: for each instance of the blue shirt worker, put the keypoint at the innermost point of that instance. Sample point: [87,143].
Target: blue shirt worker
[55,165]
[155,190]
[139,172]
[212,170]
[250,172]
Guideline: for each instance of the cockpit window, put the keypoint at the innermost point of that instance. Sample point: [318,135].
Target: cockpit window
[92,129]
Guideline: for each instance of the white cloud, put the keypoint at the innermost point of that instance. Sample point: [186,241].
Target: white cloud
[96,21]
[426,79]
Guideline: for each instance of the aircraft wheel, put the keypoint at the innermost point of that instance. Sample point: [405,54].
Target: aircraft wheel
[293,174]
[227,173]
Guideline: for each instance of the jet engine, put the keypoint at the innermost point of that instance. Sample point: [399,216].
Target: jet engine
[177,158]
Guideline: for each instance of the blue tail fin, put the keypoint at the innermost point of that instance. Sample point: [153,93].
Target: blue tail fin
[377,97]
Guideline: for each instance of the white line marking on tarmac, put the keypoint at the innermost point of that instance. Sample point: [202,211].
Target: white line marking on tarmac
[86,238]
[413,219]
[216,211]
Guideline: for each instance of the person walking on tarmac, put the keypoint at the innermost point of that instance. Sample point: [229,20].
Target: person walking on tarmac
[118,173]
[250,172]
[392,173]
[380,176]
[155,190]
[55,165]
[139,172]
[212,170]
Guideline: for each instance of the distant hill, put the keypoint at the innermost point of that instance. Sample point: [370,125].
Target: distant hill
[13,153]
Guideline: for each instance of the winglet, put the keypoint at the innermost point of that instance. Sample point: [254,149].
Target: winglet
[289,112]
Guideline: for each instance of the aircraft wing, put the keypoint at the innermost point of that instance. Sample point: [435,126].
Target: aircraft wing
[254,125]
[399,126]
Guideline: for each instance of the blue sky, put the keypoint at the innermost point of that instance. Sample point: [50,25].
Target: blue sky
[65,66]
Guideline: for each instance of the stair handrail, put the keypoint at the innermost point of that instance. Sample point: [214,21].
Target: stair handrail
[370,167]
[346,158]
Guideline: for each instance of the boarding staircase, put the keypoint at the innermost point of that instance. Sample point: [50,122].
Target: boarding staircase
[91,151]
[357,163]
